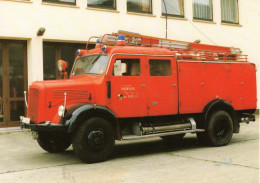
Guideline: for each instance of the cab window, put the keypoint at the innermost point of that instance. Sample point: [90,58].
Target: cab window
[159,67]
[127,67]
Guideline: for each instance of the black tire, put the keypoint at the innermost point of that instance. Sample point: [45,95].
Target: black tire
[173,138]
[94,141]
[53,142]
[219,129]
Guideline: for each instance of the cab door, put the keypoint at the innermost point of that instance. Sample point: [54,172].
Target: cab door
[128,92]
[162,86]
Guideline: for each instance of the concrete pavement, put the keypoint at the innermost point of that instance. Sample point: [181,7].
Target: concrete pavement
[143,161]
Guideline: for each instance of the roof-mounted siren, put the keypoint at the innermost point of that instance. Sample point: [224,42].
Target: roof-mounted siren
[121,40]
[81,52]
[98,43]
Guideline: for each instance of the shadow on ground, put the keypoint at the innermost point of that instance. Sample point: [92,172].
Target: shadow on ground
[154,147]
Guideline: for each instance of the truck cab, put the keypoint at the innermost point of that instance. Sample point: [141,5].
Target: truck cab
[126,92]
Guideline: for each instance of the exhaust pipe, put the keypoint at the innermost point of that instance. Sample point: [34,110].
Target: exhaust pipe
[159,129]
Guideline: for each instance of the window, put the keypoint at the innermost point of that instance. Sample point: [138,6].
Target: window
[173,8]
[108,4]
[202,9]
[91,64]
[72,2]
[52,52]
[141,6]
[127,67]
[160,67]
[229,11]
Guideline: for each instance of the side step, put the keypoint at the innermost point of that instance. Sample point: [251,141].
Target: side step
[135,137]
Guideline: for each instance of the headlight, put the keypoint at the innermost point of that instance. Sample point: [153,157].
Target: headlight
[61,110]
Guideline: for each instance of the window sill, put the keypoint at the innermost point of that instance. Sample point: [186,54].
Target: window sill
[175,18]
[103,9]
[230,24]
[60,5]
[204,21]
[140,14]
[18,1]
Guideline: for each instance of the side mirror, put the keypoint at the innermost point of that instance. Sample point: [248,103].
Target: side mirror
[62,66]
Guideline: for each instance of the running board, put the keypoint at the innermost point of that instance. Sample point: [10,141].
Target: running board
[135,137]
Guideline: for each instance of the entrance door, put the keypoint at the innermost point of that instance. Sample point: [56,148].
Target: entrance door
[13,81]
[162,87]
[128,97]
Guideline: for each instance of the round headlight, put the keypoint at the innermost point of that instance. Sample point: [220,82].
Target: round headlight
[61,110]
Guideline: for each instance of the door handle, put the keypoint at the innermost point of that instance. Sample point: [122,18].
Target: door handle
[173,85]
[142,85]
[120,96]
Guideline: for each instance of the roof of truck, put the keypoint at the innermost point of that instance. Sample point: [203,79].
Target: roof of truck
[133,50]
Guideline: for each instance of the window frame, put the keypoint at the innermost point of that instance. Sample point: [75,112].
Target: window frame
[102,7]
[228,22]
[60,2]
[195,18]
[118,58]
[141,12]
[174,15]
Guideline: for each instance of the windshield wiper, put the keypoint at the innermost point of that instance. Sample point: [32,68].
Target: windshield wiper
[96,59]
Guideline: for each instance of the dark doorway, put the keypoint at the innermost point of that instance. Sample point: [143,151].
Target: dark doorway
[13,81]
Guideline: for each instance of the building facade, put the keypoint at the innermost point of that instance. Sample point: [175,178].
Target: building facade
[27,56]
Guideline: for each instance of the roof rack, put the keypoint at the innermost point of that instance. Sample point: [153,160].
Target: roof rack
[183,50]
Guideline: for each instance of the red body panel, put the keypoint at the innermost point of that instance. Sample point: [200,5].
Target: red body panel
[202,82]
[133,96]
[162,91]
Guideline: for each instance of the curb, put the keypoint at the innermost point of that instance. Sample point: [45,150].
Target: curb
[10,130]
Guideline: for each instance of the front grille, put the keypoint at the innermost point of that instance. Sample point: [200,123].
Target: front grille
[33,102]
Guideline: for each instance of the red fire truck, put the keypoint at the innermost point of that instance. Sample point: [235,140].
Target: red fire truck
[133,86]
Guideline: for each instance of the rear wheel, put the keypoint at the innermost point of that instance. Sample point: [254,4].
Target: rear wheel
[219,129]
[53,142]
[94,141]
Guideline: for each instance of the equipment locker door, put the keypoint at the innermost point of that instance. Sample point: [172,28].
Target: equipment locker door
[126,76]
[162,88]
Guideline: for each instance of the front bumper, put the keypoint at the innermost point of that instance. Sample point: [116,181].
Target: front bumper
[44,126]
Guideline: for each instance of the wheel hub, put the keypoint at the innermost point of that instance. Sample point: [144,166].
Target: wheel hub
[96,140]
[221,130]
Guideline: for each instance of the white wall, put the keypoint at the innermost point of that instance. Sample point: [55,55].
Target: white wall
[21,20]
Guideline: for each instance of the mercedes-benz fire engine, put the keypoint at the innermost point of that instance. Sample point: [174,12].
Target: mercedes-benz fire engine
[132,86]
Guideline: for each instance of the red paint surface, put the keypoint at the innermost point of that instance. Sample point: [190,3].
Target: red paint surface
[196,83]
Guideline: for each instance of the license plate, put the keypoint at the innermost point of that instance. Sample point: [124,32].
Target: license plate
[25,120]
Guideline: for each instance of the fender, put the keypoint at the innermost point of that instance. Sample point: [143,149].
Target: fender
[87,111]
[224,105]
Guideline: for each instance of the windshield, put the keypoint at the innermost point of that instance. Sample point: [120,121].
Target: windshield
[92,64]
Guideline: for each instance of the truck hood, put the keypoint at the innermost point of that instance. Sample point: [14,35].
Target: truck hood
[51,94]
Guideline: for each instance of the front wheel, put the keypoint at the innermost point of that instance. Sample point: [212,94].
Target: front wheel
[94,141]
[219,129]
[53,142]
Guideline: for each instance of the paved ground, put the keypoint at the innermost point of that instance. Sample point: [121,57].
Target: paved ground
[145,161]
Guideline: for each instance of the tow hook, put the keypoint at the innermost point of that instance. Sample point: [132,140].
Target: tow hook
[246,118]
